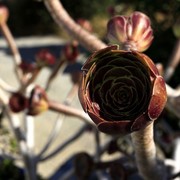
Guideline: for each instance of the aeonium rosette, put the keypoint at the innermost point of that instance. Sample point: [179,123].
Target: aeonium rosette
[121,91]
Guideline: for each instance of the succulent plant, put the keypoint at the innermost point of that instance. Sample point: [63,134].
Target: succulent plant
[121,91]
[18,102]
[130,32]
[45,58]
[38,101]
[71,52]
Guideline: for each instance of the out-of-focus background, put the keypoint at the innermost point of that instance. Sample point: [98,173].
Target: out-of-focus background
[30,19]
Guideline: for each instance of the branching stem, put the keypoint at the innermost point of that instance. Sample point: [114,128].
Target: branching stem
[63,19]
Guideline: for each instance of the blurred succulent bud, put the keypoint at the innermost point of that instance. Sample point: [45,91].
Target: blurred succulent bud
[27,67]
[121,91]
[45,58]
[38,101]
[176,28]
[4,14]
[83,164]
[133,32]
[85,24]
[18,102]
[71,52]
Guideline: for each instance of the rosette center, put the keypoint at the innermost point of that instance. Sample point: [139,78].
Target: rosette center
[120,84]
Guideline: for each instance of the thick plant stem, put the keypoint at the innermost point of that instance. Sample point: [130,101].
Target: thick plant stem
[63,19]
[145,154]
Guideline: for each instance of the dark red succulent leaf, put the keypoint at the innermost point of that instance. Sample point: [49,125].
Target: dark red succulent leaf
[158,99]
[18,102]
